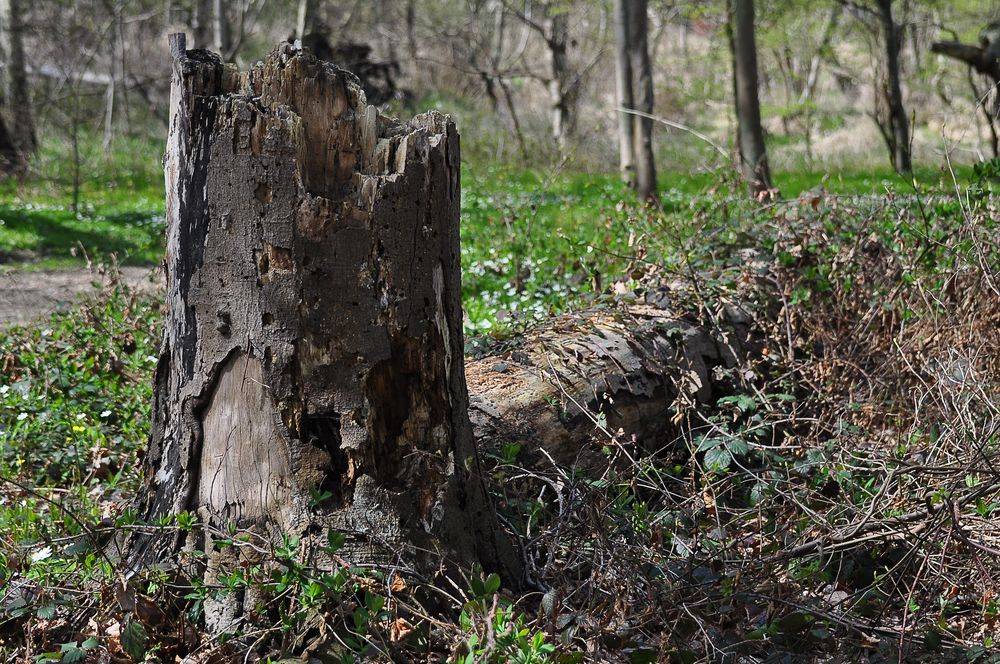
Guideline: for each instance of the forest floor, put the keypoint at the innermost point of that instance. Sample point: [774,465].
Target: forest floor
[838,503]
[30,296]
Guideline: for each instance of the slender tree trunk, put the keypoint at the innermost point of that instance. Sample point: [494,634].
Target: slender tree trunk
[752,151]
[642,95]
[623,89]
[306,18]
[812,78]
[559,84]
[313,340]
[220,27]
[411,31]
[900,129]
[201,23]
[16,92]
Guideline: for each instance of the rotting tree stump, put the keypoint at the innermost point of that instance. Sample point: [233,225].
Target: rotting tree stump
[313,340]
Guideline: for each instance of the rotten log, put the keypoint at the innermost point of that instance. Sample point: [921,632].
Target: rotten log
[625,376]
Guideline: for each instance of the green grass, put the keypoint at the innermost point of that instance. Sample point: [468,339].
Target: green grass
[118,207]
[53,235]
[534,242]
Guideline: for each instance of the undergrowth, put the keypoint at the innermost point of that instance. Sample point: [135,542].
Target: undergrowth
[837,503]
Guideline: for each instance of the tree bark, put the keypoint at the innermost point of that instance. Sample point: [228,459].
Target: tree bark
[561,92]
[313,340]
[587,378]
[623,88]
[899,129]
[984,59]
[16,91]
[812,78]
[752,150]
[642,94]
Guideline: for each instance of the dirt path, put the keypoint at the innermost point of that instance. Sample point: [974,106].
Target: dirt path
[32,295]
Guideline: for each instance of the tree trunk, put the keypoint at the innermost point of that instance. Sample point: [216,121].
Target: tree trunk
[817,59]
[306,18]
[559,84]
[220,28]
[752,151]
[642,94]
[313,340]
[900,130]
[201,23]
[17,97]
[411,31]
[984,59]
[623,88]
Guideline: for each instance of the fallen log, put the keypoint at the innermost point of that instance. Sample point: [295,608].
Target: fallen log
[625,375]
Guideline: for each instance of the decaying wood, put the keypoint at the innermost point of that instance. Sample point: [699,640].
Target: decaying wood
[589,378]
[313,338]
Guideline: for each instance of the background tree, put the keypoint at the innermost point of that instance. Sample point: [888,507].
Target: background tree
[17,135]
[623,90]
[897,135]
[634,85]
[752,150]
[550,20]
[889,112]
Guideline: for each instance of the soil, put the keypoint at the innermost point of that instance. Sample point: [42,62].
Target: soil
[29,295]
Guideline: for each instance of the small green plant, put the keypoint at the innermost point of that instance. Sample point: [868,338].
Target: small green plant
[495,631]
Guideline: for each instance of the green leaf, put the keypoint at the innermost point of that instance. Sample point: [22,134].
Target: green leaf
[794,622]
[718,459]
[374,602]
[744,403]
[738,446]
[134,639]
[46,612]
[643,656]
[478,589]
[71,652]
[707,443]
[758,492]
[492,584]
[335,540]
